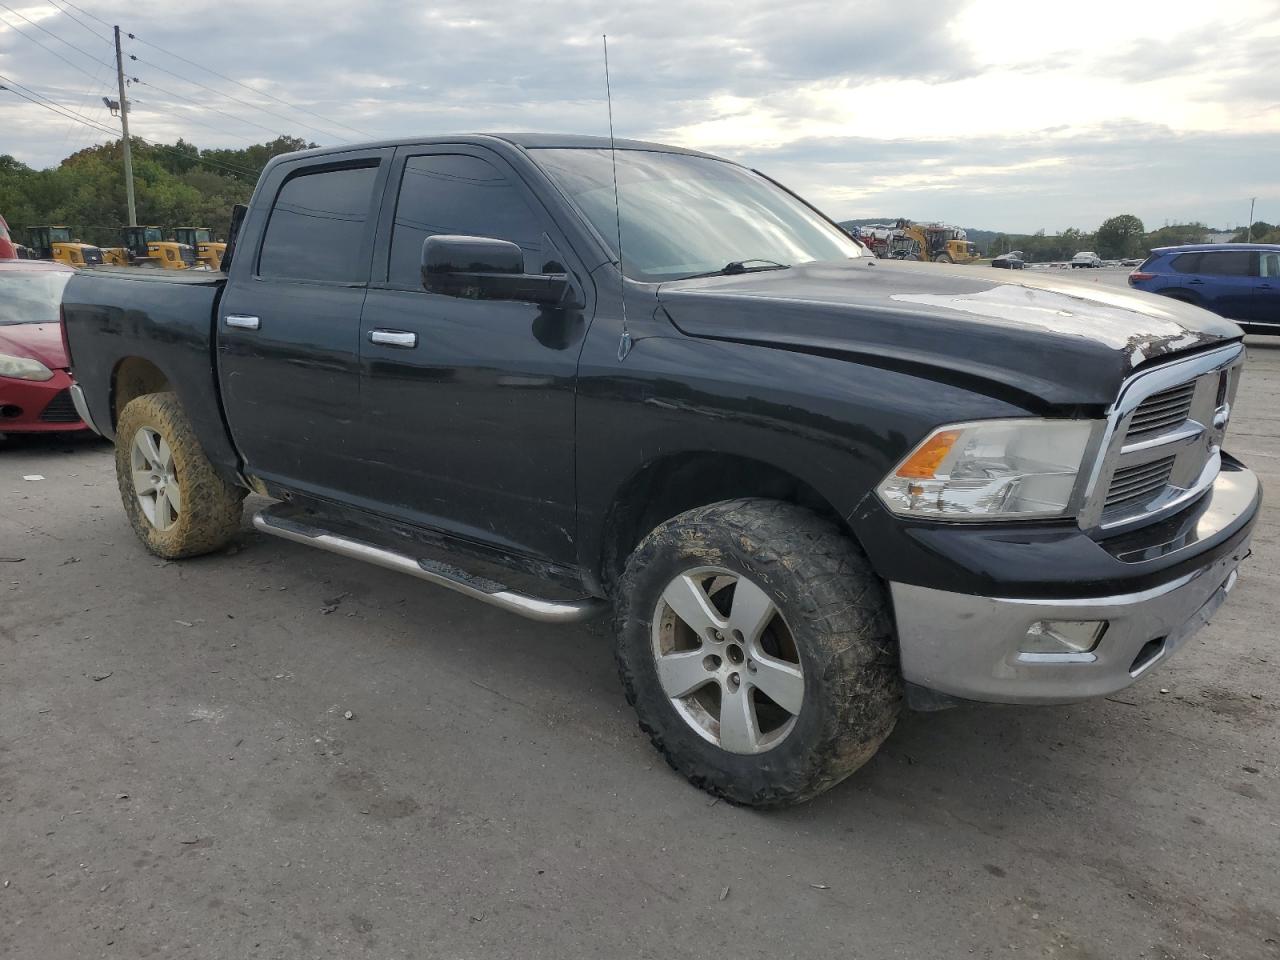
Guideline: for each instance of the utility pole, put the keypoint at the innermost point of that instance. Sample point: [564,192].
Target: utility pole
[1249,233]
[124,124]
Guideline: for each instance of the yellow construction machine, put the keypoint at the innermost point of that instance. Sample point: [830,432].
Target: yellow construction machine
[208,251]
[936,242]
[147,247]
[56,243]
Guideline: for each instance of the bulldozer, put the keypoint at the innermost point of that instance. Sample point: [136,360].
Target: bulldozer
[208,251]
[935,242]
[56,243]
[146,247]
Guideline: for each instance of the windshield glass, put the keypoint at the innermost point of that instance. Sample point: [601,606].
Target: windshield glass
[152,235]
[31,297]
[683,216]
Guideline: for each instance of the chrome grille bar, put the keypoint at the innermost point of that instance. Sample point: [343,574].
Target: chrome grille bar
[1161,446]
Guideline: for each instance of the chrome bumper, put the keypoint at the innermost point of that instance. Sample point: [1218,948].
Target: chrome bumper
[82,408]
[972,646]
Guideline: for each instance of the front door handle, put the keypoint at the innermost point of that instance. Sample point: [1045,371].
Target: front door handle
[394,338]
[242,322]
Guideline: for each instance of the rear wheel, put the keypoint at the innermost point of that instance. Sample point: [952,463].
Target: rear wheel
[756,646]
[943,258]
[178,505]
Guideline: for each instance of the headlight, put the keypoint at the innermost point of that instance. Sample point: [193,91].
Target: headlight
[991,469]
[23,368]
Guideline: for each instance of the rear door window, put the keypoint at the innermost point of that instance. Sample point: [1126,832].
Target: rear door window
[1227,263]
[1270,265]
[317,229]
[1186,263]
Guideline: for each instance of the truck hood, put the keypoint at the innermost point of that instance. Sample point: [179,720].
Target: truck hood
[1034,336]
[38,341]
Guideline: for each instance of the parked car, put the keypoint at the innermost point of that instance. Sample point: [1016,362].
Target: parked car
[8,249]
[808,482]
[1130,261]
[1238,280]
[34,380]
[1009,261]
[1086,258]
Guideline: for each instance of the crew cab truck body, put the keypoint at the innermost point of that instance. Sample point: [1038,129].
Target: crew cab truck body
[809,483]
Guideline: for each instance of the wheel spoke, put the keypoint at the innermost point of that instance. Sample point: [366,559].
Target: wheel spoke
[164,516]
[174,493]
[164,453]
[142,482]
[778,680]
[752,610]
[682,673]
[739,729]
[146,441]
[690,602]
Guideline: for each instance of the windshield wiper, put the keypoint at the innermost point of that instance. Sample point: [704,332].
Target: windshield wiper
[741,266]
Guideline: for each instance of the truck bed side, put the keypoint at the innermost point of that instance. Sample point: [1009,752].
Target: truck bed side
[133,331]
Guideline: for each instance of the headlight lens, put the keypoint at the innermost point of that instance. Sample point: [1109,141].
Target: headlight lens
[991,469]
[23,368]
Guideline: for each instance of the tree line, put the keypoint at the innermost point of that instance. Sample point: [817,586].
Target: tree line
[175,184]
[1117,238]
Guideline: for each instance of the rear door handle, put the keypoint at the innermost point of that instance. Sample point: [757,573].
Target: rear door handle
[242,322]
[394,338]
[1195,281]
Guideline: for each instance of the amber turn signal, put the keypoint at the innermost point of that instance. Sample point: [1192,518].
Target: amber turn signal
[923,464]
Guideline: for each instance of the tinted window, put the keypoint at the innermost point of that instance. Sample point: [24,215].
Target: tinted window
[1270,265]
[1186,263]
[463,196]
[1228,263]
[317,226]
[31,297]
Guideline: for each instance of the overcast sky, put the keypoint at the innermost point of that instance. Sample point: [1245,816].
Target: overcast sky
[996,114]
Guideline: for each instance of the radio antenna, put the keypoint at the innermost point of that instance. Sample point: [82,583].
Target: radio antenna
[624,344]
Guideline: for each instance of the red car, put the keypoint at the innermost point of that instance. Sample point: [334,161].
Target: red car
[34,380]
[8,249]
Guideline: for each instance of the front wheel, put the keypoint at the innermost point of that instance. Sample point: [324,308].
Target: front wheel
[943,258]
[177,503]
[756,646]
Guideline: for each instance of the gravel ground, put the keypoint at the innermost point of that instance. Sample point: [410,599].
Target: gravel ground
[178,775]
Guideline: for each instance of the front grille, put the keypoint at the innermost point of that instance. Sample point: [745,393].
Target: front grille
[60,409]
[1163,448]
[1160,412]
[1137,485]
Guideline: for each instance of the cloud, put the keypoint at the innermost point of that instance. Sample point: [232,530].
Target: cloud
[954,110]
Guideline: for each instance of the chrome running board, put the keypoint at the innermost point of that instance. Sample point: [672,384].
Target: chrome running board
[441,574]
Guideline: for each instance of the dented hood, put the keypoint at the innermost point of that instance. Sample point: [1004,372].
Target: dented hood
[1037,335]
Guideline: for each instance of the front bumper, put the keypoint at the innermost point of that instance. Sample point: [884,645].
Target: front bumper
[38,406]
[971,646]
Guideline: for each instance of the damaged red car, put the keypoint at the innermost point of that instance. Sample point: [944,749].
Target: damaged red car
[34,380]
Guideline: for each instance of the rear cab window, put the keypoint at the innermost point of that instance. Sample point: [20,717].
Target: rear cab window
[318,226]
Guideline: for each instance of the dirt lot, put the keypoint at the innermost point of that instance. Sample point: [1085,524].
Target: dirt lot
[177,775]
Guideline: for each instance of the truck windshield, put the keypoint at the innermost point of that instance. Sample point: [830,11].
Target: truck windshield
[684,215]
[31,297]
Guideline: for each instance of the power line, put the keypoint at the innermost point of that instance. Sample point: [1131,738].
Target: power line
[93,16]
[178,96]
[151,105]
[261,93]
[23,33]
[42,101]
[228,96]
[54,35]
[68,13]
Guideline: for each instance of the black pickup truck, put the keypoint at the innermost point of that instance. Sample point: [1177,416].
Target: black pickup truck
[811,485]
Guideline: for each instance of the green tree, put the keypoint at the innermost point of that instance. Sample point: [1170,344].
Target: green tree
[1120,236]
[1176,234]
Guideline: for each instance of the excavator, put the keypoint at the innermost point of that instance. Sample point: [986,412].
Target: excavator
[147,247]
[200,239]
[56,243]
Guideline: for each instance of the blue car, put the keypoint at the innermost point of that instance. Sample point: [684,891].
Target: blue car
[1240,281]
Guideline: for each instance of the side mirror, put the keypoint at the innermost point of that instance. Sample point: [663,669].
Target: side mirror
[483,268]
